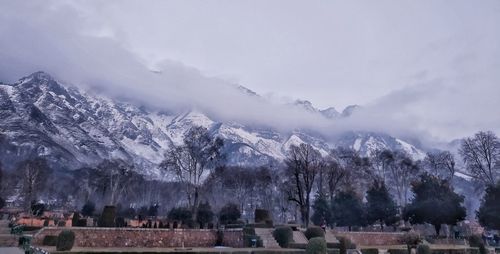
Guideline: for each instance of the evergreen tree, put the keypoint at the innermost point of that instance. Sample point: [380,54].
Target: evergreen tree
[322,213]
[347,210]
[182,214]
[88,209]
[435,203]
[380,206]
[489,211]
[205,214]
[229,214]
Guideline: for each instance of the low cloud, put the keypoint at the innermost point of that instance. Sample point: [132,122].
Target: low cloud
[70,44]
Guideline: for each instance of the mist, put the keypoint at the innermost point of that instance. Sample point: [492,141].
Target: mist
[434,102]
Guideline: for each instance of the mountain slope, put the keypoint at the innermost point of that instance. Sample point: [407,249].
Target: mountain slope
[73,128]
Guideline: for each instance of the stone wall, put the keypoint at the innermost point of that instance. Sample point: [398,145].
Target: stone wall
[372,238]
[144,237]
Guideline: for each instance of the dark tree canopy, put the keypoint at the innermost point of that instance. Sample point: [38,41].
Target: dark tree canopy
[380,206]
[205,214]
[489,211]
[88,209]
[347,210]
[153,210]
[229,214]
[435,203]
[322,214]
[182,214]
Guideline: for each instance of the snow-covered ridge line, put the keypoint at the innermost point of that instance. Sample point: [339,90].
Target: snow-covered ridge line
[74,128]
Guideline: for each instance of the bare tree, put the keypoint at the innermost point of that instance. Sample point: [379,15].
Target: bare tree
[440,164]
[335,176]
[401,173]
[34,174]
[381,162]
[481,155]
[303,164]
[192,161]
[353,170]
[114,178]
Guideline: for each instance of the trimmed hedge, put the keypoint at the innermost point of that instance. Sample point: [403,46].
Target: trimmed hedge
[229,251]
[346,244]
[370,251]
[423,249]
[65,240]
[49,240]
[316,245]
[333,251]
[297,245]
[397,251]
[235,226]
[314,231]
[471,250]
[283,235]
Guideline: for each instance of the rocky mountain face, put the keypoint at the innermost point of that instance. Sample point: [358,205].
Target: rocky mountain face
[73,128]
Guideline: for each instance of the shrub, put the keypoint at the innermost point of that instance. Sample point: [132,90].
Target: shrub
[397,251]
[411,239]
[46,223]
[65,240]
[423,249]
[283,235]
[371,251]
[49,240]
[345,244]
[314,231]
[61,223]
[317,245]
[262,215]
[333,251]
[107,218]
[24,240]
[477,241]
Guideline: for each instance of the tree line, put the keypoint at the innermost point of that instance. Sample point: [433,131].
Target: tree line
[341,188]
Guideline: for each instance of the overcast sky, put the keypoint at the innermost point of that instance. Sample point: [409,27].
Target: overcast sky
[431,66]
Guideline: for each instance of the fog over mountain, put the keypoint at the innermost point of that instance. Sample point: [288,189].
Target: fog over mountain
[435,89]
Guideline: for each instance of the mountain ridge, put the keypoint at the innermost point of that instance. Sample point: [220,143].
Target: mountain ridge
[75,128]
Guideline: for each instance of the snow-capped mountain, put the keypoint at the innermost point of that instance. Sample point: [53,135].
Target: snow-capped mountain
[73,128]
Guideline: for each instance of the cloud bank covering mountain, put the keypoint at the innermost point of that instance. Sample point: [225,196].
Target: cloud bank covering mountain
[73,128]
[443,96]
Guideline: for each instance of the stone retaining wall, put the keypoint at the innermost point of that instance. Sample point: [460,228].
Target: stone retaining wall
[372,238]
[139,237]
